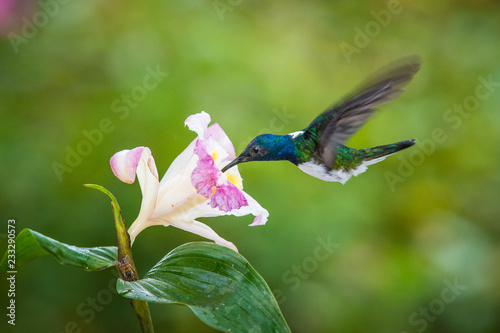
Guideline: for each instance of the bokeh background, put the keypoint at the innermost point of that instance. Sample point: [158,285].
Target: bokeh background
[413,241]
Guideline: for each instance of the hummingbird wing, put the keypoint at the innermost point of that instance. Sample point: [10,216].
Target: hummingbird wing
[348,116]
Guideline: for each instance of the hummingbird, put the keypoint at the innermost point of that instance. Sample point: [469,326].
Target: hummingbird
[319,149]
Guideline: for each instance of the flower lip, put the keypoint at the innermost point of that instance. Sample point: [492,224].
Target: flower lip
[210,182]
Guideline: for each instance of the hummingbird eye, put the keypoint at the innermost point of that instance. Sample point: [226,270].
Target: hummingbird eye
[255,150]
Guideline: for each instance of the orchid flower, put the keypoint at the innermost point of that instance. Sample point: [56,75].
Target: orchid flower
[192,187]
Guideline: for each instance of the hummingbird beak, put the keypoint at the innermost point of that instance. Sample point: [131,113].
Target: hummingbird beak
[231,164]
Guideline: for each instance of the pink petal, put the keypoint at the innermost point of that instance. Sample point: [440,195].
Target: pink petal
[124,163]
[198,123]
[205,175]
[228,197]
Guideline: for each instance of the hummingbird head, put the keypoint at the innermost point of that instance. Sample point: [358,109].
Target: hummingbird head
[266,147]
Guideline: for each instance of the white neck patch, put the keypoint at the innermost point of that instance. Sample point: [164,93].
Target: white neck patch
[295,134]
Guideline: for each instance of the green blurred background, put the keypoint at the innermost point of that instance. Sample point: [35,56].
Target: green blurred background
[416,236]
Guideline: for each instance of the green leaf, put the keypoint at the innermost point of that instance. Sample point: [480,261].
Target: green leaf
[218,284]
[30,245]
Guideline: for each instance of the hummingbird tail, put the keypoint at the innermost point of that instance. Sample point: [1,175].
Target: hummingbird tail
[378,153]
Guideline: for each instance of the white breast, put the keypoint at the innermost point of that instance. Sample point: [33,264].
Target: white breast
[317,170]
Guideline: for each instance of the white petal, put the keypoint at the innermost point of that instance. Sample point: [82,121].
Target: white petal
[233,175]
[184,163]
[180,197]
[218,134]
[261,214]
[203,230]
[176,192]
[203,209]
[218,153]
[138,226]
[198,123]
[148,180]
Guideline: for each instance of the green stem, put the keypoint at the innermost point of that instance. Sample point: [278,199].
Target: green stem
[124,249]
[125,263]
[141,309]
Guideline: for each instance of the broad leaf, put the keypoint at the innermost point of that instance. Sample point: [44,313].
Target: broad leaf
[217,283]
[30,245]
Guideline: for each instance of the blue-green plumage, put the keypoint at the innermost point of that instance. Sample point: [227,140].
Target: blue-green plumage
[272,147]
[319,149]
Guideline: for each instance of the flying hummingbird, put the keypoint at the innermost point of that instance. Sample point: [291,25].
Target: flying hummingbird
[319,149]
